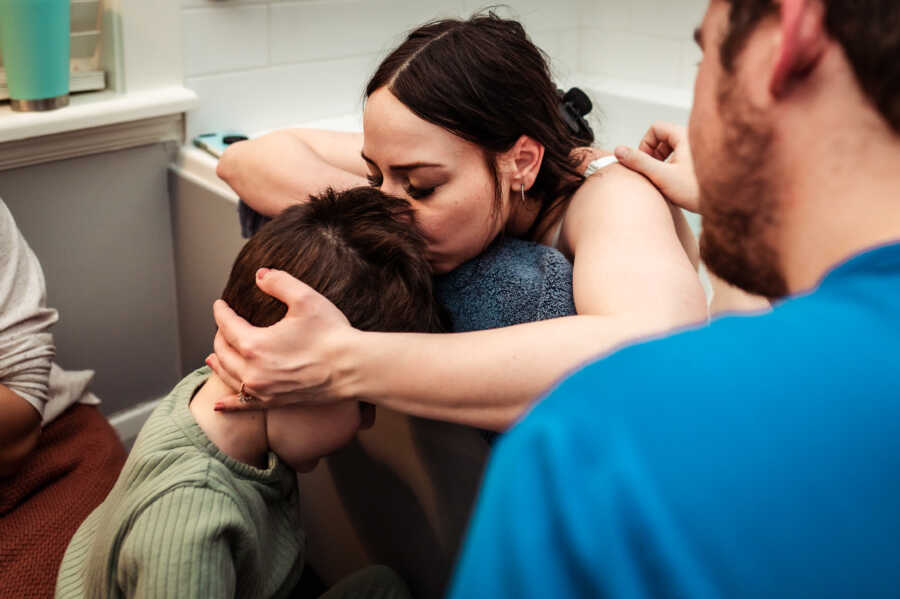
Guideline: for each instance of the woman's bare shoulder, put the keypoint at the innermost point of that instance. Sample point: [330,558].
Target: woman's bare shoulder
[614,196]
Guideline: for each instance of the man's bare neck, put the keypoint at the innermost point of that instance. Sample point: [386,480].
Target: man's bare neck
[841,204]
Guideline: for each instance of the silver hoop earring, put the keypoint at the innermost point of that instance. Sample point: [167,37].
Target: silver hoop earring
[523,194]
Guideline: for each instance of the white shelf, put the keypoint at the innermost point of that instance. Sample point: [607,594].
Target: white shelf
[93,110]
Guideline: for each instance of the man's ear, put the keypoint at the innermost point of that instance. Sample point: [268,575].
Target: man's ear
[803,42]
[525,158]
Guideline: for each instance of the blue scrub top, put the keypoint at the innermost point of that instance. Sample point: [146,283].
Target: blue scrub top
[756,457]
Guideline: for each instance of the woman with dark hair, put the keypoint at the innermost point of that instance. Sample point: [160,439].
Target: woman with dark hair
[464,121]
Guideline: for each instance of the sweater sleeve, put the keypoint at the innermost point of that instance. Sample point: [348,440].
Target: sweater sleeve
[26,345]
[183,545]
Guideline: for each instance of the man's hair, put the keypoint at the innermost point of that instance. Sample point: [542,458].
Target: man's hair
[869,31]
[359,248]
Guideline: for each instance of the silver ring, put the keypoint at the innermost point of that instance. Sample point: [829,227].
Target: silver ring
[245,397]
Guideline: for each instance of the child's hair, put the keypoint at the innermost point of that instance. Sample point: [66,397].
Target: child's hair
[359,248]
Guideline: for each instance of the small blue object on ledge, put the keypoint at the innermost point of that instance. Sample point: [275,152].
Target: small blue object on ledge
[216,143]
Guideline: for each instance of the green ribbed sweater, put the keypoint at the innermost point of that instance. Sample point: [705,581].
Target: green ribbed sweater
[185,520]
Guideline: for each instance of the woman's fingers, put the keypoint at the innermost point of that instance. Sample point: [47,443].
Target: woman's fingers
[213,362]
[234,329]
[233,403]
[287,362]
[284,287]
[230,365]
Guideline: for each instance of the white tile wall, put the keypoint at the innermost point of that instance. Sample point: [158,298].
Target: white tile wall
[266,63]
[535,15]
[254,100]
[230,38]
[334,28]
[625,55]
[260,64]
[650,41]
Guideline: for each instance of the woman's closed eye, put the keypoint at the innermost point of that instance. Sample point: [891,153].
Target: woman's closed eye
[418,192]
[414,192]
[375,180]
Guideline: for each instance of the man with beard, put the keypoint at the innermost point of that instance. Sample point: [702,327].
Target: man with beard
[777,475]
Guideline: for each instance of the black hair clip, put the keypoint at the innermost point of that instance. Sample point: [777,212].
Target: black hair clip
[574,106]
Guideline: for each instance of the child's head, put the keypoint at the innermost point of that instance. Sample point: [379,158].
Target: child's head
[360,249]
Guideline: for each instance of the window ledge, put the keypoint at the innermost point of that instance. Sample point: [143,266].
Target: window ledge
[93,123]
[95,110]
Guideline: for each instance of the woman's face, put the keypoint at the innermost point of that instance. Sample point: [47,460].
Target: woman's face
[444,177]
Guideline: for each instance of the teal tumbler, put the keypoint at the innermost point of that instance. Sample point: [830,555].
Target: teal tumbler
[34,38]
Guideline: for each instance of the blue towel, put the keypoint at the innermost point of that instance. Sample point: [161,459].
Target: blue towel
[250,220]
[512,282]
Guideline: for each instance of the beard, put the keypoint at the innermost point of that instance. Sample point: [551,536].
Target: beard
[739,203]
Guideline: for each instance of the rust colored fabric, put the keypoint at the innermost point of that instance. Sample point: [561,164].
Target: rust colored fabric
[75,464]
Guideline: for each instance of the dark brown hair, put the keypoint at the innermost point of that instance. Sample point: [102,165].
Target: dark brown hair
[869,31]
[483,80]
[358,248]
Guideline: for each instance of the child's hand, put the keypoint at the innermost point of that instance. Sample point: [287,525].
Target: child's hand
[675,178]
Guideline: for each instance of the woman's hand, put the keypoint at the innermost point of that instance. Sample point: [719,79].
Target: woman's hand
[298,359]
[675,178]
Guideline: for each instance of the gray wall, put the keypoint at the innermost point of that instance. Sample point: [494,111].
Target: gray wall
[101,228]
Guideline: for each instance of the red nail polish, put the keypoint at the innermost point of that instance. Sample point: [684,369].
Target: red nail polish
[261,273]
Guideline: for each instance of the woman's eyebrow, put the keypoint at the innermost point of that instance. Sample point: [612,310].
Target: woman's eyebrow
[402,167]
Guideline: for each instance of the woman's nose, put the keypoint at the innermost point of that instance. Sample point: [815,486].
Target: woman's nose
[392,188]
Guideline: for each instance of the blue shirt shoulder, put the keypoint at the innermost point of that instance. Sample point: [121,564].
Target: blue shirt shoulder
[754,457]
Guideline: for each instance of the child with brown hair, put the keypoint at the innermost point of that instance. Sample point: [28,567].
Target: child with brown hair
[206,505]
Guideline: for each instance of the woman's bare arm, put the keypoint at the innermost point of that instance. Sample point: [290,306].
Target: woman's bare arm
[627,253]
[283,168]
[632,280]
[340,149]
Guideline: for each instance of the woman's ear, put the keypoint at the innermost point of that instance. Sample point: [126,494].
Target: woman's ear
[803,42]
[525,160]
